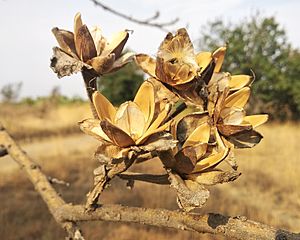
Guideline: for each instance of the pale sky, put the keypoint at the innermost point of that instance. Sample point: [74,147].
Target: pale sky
[26,40]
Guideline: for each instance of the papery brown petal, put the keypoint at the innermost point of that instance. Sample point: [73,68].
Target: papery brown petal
[183,75]
[84,42]
[164,44]
[256,120]
[220,104]
[228,130]
[150,132]
[159,71]
[186,160]
[203,59]
[211,160]
[239,98]
[220,81]
[183,37]
[218,56]
[116,135]
[166,72]
[144,98]
[157,125]
[103,64]
[65,40]
[237,82]
[92,127]
[188,124]
[122,61]
[163,95]
[160,118]
[130,119]
[77,25]
[232,116]
[178,46]
[170,71]
[200,135]
[103,107]
[214,177]
[176,118]
[116,44]
[98,39]
[246,139]
[217,84]
[146,63]
[219,140]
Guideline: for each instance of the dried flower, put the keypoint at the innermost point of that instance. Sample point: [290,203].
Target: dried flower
[180,68]
[91,47]
[131,124]
[228,114]
[196,151]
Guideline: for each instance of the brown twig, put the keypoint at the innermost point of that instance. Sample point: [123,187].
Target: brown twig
[161,179]
[103,179]
[66,215]
[147,22]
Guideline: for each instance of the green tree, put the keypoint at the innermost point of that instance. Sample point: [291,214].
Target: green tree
[260,44]
[121,85]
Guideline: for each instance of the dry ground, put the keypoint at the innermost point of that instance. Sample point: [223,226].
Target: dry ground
[267,191]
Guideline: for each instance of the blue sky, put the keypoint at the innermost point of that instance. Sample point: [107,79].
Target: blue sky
[26,40]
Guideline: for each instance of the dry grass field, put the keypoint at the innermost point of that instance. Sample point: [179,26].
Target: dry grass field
[267,191]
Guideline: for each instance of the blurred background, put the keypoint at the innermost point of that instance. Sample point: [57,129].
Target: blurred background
[42,111]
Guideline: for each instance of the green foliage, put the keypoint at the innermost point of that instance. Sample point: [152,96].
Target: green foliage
[261,45]
[54,98]
[122,85]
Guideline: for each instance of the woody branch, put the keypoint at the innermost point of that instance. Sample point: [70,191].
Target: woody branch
[67,215]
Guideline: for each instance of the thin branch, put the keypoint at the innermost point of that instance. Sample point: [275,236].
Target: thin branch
[66,215]
[40,182]
[147,22]
[231,227]
[161,179]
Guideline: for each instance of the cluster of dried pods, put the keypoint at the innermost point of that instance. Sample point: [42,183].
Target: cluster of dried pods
[188,113]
